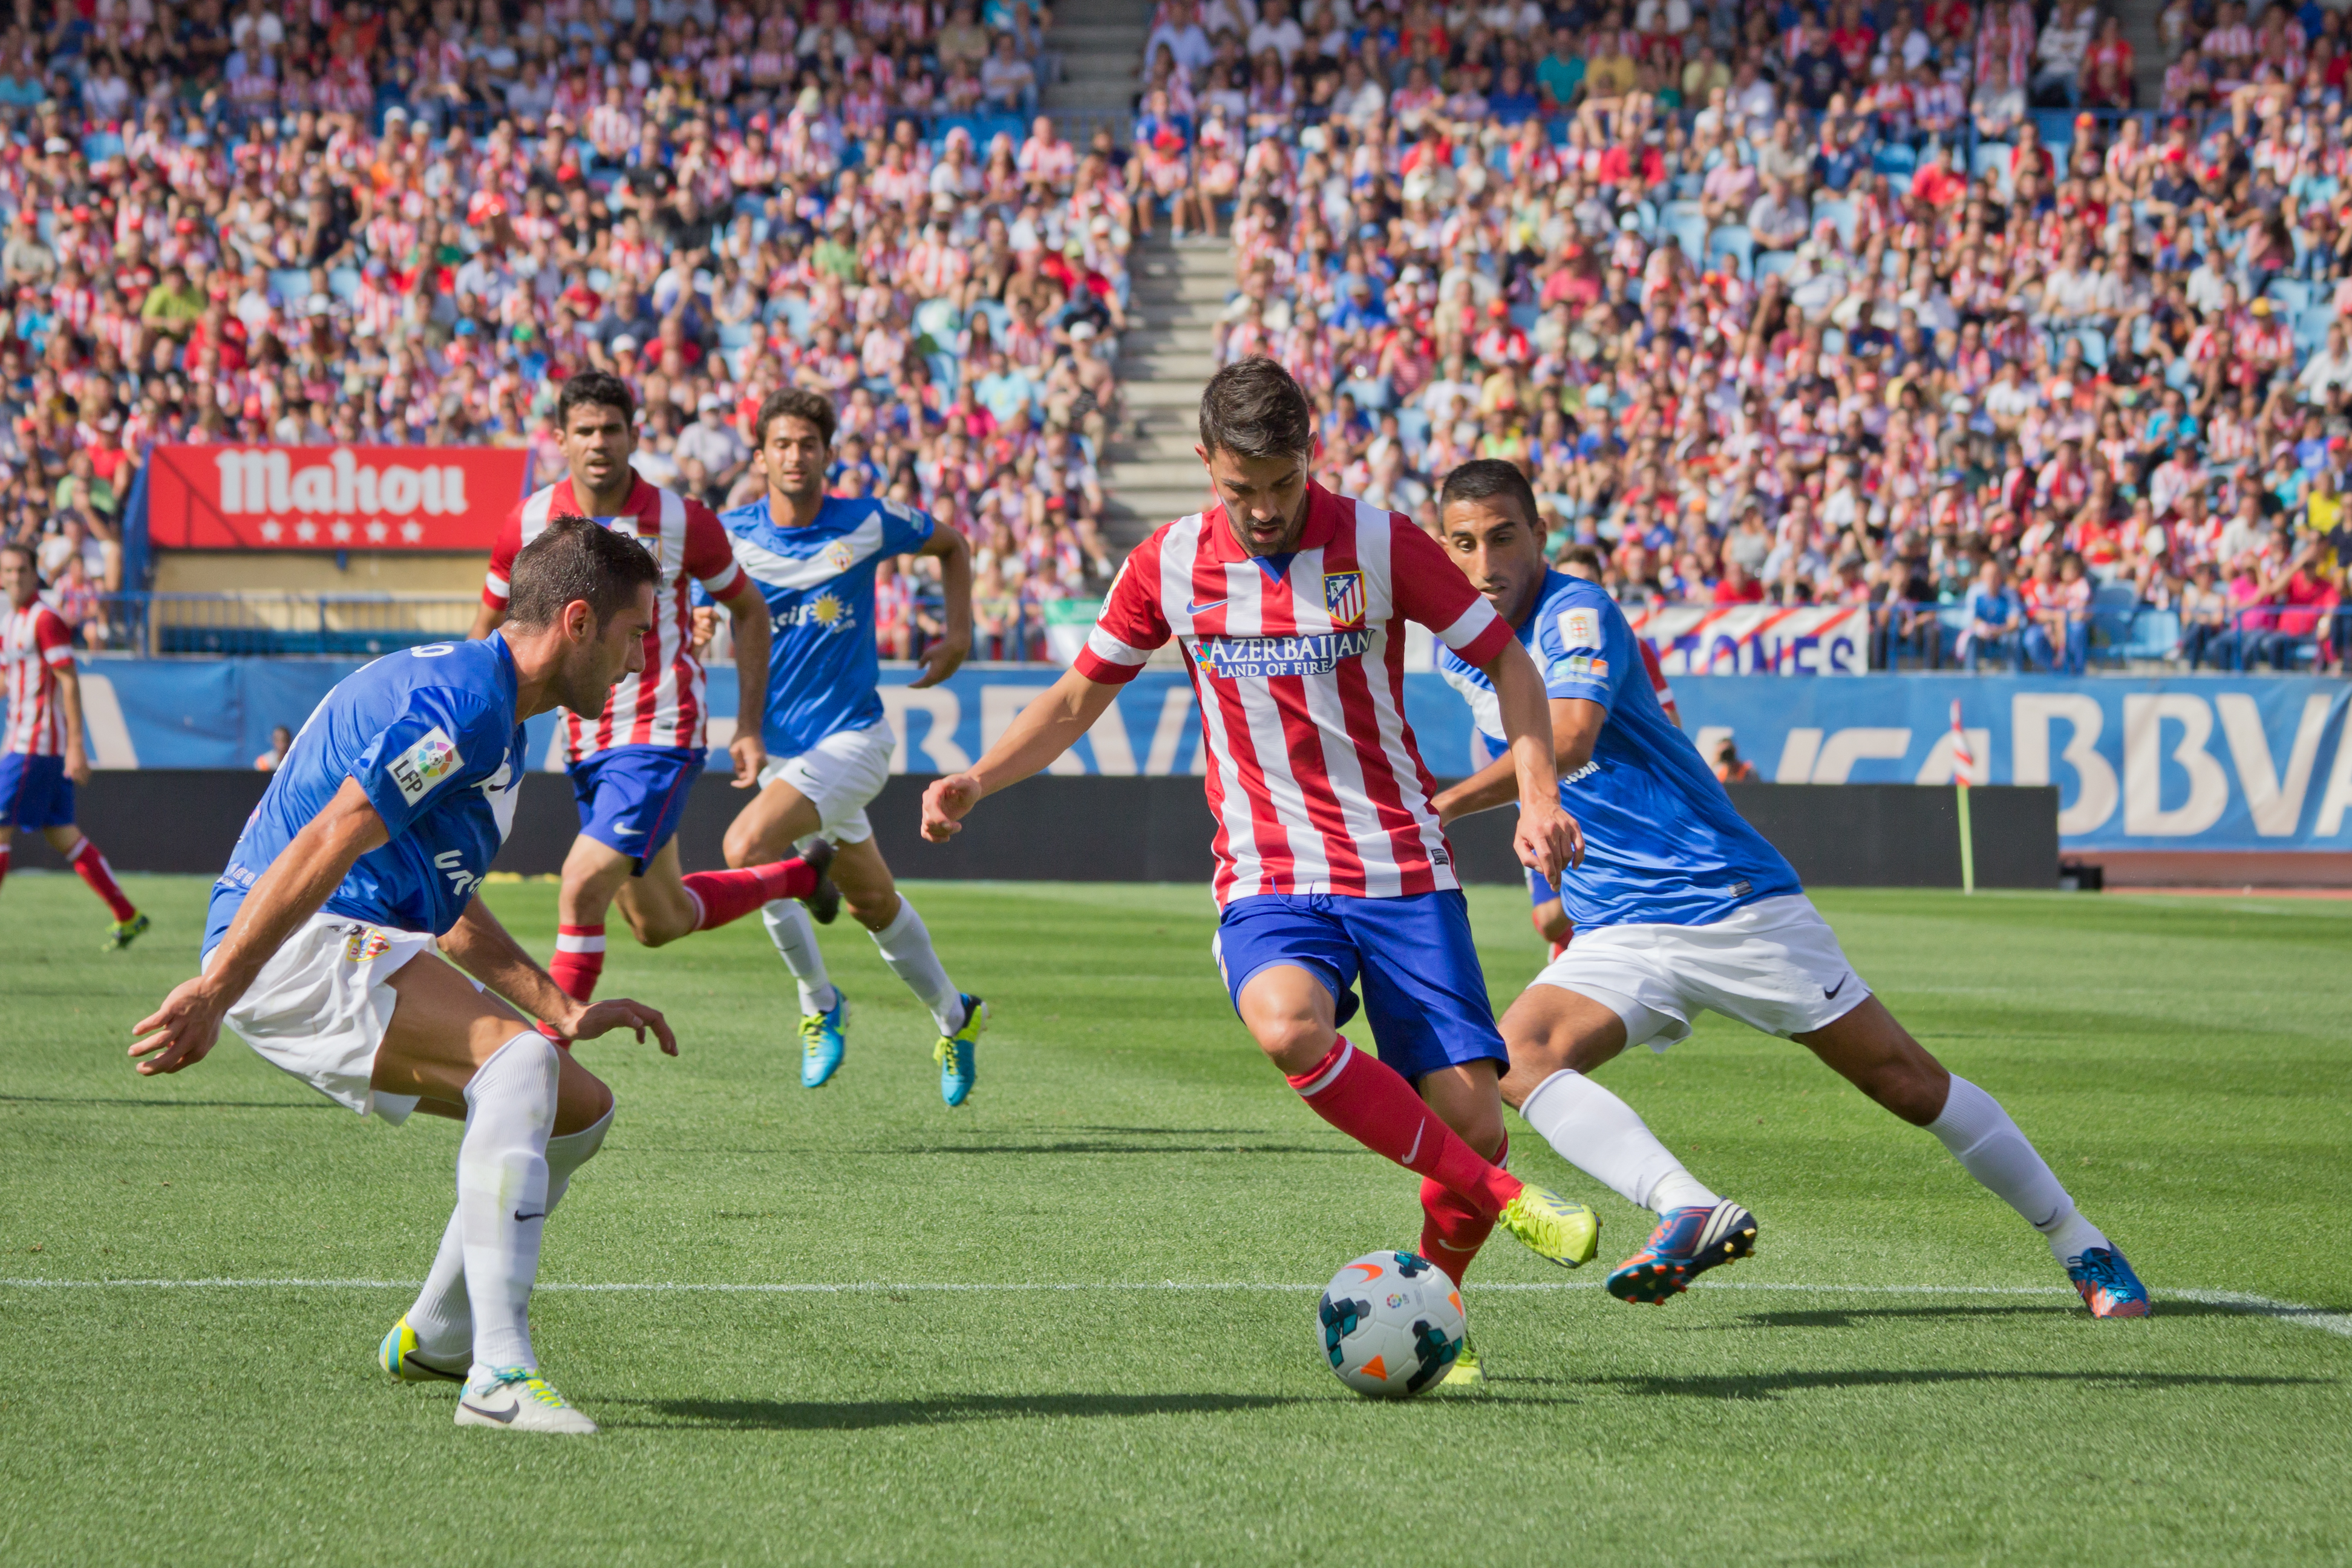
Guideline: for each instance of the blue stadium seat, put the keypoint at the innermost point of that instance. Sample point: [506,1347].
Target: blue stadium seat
[1733,240]
[2311,326]
[736,335]
[343,283]
[1771,263]
[936,319]
[1687,224]
[290,285]
[100,146]
[2291,294]
[2057,128]
[1839,213]
[1893,158]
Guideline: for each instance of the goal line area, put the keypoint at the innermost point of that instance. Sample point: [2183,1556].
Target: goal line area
[2319,1317]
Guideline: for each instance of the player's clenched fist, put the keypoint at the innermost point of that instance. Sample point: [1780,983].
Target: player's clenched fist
[946,804]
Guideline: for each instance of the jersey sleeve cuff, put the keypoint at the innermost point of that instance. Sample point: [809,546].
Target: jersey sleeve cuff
[727,584]
[495,590]
[1106,661]
[1478,636]
[57,655]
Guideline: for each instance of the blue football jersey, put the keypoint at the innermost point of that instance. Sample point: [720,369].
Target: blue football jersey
[1663,844]
[823,669]
[430,734]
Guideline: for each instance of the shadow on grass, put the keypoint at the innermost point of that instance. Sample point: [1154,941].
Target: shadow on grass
[817,1415]
[1774,1385]
[1864,1317]
[169,1104]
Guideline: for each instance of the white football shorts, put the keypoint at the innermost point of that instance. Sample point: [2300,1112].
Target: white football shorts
[840,774]
[1774,965]
[319,1007]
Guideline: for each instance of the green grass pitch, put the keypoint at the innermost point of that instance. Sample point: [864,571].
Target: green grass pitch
[1893,1378]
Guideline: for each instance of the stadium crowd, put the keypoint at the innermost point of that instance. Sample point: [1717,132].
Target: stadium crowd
[1859,303]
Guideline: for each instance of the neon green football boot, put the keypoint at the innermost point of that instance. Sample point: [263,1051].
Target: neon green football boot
[397,1355]
[1550,1227]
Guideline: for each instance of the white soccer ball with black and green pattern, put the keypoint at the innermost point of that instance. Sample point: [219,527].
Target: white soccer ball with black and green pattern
[1390,1324]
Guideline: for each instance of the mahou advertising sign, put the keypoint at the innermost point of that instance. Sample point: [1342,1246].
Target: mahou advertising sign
[333,498]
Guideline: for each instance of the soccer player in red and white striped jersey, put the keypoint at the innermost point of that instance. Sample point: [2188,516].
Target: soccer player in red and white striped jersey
[634,765]
[1332,872]
[42,756]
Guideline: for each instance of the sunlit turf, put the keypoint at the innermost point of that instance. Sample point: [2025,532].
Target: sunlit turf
[2183,1064]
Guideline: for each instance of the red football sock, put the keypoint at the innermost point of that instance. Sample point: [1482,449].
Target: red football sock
[727,896]
[4,849]
[579,960]
[1371,1103]
[1452,1232]
[93,869]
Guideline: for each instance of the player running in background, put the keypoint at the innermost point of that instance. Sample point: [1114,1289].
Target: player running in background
[1550,918]
[43,755]
[1681,906]
[634,765]
[368,847]
[1332,870]
[812,557]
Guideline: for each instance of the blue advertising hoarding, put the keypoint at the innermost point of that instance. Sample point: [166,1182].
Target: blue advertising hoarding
[2237,764]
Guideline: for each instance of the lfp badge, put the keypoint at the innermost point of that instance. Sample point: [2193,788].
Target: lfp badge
[1343,597]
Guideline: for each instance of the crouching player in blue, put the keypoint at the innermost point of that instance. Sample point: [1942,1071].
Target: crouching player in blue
[363,855]
[812,557]
[1680,907]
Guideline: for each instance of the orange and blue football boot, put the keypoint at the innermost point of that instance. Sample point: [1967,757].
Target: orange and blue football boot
[1686,1243]
[2109,1287]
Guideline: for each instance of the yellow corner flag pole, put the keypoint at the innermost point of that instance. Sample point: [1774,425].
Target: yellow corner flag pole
[1963,767]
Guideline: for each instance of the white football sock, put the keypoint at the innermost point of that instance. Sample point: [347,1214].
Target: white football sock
[1601,1135]
[1989,1147]
[502,1194]
[794,934]
[442,1319]
[906,948]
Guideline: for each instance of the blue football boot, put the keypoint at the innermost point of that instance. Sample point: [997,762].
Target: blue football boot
[1686,1243]
[957,1071]
[823,1037]
[2109,1287]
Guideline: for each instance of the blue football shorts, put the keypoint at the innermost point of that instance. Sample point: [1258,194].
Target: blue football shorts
[632,798]
[1424,993]
[35,791]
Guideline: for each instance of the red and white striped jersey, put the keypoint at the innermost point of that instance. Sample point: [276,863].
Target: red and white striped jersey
[35,644]
[664,705]
[1312,771]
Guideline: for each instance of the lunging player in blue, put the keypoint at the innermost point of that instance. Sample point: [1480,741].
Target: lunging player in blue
[1680,907]
[364,854]
[812,557]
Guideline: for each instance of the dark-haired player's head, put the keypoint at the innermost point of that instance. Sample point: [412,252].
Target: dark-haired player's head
[1487,518]
[596,425]
[588,592]
[1257,437]
[796,434]
[20,574]
[1581,559]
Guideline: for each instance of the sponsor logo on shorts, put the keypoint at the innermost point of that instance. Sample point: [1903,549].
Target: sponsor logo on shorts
[364,943]
[433,758]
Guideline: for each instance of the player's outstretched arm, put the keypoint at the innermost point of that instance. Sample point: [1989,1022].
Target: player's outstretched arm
[747,614]
[295,886]
[1547,838]
[485,950]
[943,659]
[1044,730]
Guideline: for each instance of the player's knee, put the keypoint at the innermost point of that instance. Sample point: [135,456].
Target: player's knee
[582,1101]
[1293,1042]
[871,907]
[742,845]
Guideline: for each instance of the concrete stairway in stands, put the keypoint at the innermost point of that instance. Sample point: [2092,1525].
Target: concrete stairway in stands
[1164,357]
[1100,43]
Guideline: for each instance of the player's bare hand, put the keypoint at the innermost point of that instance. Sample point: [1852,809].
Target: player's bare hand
[618,1013]
[1547,839]
[77,765]
[180,1032]
[706,627]
[946,804]
[942,659]
[750,755]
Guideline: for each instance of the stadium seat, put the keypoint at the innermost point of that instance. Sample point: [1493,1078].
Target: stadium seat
[1833,341]
[2311,326]
[2149,634]
[290,285]
[937,319]
[2057,128]
[1992,156]
[2293,295]
[343,283]
[100,146]
[1687,224]
[1771,263]
[1733,240]
[736,335]
[2095,346]
[1839,213]
[1893,158]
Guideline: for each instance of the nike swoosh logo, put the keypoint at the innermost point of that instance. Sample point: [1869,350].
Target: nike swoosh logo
[502,1417]
[1829,993]
[627,832]
[520,1217]
[1198,609]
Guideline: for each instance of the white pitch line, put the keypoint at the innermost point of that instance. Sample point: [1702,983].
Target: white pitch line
[2338,1323]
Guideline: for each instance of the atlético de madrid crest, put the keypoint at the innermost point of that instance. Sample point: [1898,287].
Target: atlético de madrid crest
[1343,597]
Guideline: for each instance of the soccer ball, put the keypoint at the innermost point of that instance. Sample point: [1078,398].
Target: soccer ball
[1391,1324]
